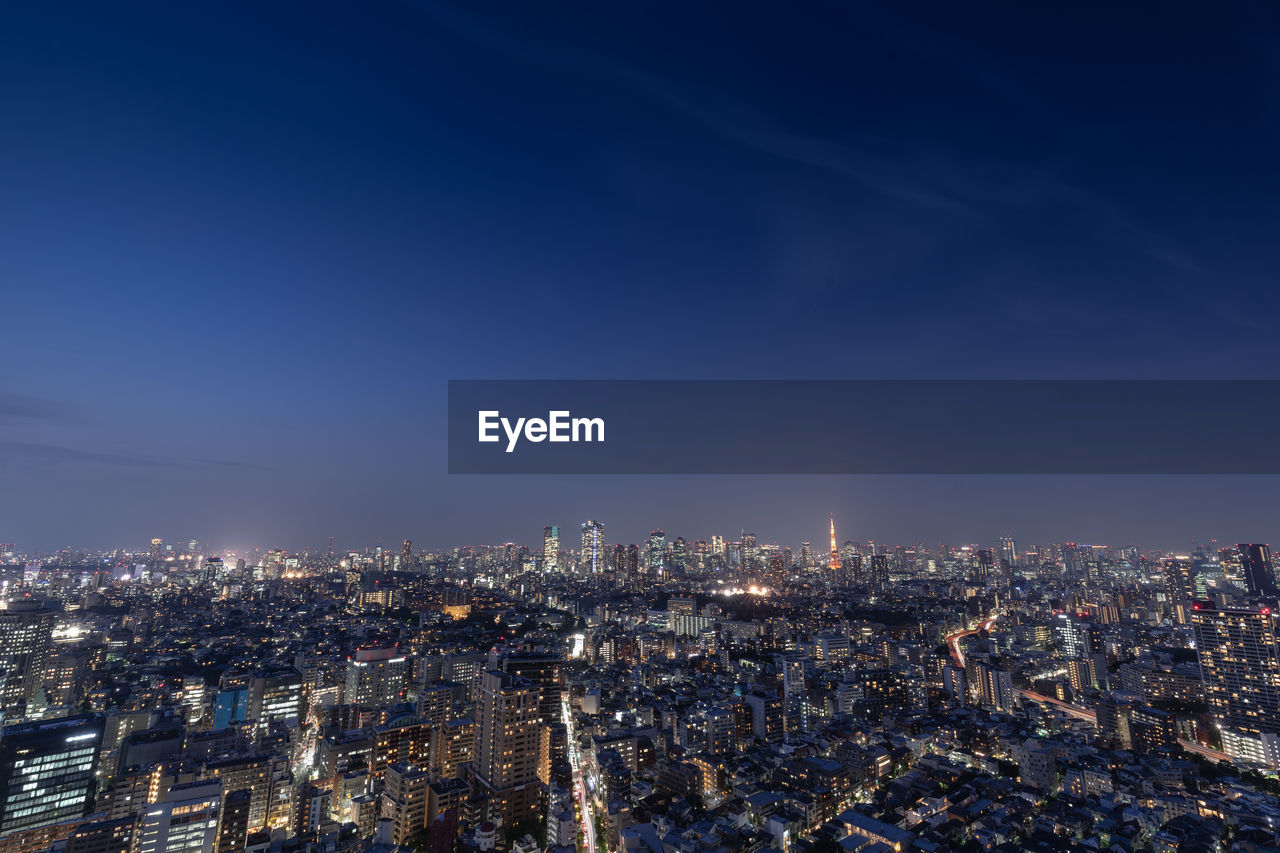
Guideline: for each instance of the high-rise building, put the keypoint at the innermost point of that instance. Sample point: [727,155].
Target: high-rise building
[233,823]
[508,746]
[1259,573]
[186,821]
[879,570]
[1240,666]
[453,746]
[376,677]
[656,553]
[806,555]
[47,770]
[1113,716]
[253,773]
[275,694]
[592,556]
[678,553]
[1008,551]
[1179,579]
[405,739]
[545,671]
[550,548]
[750,553]
[994,687]
[1229,562]
[767,715]
[404,800]
[26,639]
[717,545]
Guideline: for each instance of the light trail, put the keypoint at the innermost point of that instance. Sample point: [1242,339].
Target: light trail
[953,641]
[580,782]
[1080,712]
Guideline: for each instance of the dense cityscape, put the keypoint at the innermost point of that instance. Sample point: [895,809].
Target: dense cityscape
[580,696]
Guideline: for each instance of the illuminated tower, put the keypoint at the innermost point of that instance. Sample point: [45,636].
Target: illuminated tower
[593,547]
[550,548]
[835,554]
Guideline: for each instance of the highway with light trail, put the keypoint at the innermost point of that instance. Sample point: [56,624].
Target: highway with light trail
[1078,711]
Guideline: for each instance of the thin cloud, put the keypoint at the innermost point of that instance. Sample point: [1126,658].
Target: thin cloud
[58,453]
[22,407]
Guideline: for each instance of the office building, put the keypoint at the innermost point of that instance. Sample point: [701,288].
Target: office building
[376,677]
[47,770]
[26,632]
[186,821]
[1259,573]
[550,548]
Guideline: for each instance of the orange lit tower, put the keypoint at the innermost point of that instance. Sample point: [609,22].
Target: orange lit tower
[835,556]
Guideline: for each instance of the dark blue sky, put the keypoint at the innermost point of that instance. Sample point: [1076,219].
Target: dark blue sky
[242,247]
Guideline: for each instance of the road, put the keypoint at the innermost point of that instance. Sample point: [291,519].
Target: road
[953,642]
[1082,713]
[580,783]
[1078,711]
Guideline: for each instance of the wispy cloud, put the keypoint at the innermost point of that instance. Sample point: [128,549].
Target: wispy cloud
[974,190]
[27,450]
[25,408]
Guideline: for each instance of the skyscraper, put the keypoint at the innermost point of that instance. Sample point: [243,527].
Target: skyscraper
[879,567]
[1240,666]
[592,547]
[545,671]
[508,746]
[750,553]
[1179,579]
[550,548]
[47,770]
[1259,573]
[1008,551]
[657,551]
[26,638]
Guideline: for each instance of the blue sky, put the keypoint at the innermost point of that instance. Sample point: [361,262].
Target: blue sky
[243,246]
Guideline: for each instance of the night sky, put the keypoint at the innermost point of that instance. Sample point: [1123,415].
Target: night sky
[243,247]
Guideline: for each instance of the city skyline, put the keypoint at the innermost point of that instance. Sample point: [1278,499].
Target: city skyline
[748,544]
